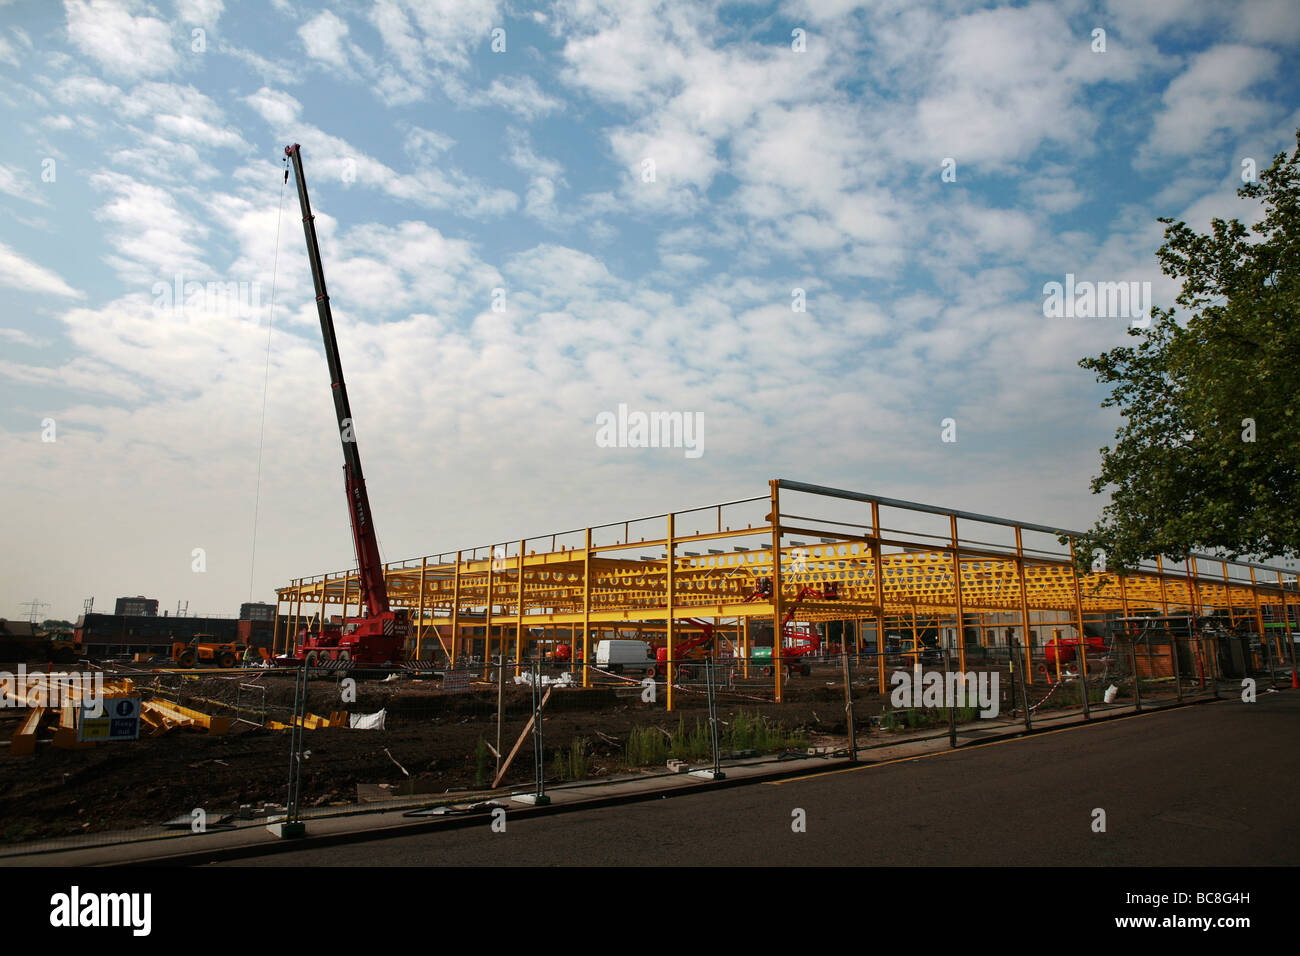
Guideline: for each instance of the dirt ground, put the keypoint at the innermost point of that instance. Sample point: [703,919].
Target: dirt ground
[428,747]
[432,735]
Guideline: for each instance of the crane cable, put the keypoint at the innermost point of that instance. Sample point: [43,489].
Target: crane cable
[266,379]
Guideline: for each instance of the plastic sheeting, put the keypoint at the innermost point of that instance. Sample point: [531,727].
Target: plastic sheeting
[373,721]
[564,680]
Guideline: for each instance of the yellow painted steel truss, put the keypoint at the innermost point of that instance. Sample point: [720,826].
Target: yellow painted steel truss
[883,560]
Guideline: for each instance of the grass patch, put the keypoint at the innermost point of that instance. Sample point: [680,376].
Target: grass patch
[647,746]
[573,763]
[481,764]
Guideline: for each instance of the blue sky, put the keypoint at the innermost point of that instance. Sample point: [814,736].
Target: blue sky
[443,169]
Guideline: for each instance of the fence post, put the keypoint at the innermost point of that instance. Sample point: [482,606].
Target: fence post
[952,703]
[848,702]
[1024,687]
[1083,677]
[710,684]
[1212,664]
[538,797]
[1178,670]
[291,825]
[1133,661]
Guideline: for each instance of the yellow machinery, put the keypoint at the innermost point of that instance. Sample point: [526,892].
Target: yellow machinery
[213,652]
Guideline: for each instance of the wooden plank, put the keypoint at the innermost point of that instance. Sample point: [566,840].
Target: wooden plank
[24,738]
[169,714]
[65,738]
[215,725]
[519,743]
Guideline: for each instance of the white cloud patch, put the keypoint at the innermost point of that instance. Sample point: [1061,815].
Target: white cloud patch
[1211,97]
[430,184]
[200,13]
[22,338]
[19,272]
[322,37]
[122,43]
[16,182]
[153,237]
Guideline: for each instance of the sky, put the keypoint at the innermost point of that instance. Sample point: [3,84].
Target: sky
[820,231]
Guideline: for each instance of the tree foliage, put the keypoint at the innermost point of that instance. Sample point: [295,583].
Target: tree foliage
[1208,456]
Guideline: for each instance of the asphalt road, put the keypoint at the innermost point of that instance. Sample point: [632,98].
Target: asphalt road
[1208,785]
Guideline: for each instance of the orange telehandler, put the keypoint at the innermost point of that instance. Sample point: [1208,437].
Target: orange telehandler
[206,649]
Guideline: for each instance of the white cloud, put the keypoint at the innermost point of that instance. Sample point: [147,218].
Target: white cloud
[127,45]
[1212,96]
[281,74]
[1006,82]
[17,183]
[545,178]
[18,272]
[521,96]
[153,237]
[431,184]
[322,37]
[279,109]
[202,13]
[22,338]
[8,54]
[81,90]
[424,33]
[682,261]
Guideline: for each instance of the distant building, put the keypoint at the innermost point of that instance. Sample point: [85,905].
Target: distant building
[113,635]
[256,611]
[139,606]
[16,628]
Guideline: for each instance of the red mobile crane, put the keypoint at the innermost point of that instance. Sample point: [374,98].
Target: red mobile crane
[378,637]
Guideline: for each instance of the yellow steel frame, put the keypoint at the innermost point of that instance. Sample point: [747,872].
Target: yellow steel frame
[599,578]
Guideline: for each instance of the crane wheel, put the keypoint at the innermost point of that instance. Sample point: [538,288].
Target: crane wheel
[310,658]
[345,656]
[226,660]
[186,659]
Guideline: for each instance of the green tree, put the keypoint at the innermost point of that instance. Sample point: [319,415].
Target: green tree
[1208,456]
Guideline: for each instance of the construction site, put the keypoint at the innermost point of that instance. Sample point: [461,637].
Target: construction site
[764,628]
[864,587]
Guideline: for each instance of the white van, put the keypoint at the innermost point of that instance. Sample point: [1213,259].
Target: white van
[618,656]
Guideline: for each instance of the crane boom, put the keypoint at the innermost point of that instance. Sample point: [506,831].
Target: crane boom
[370,572]
[377,637]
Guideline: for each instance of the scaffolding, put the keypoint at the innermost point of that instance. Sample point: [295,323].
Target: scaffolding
[885,565]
